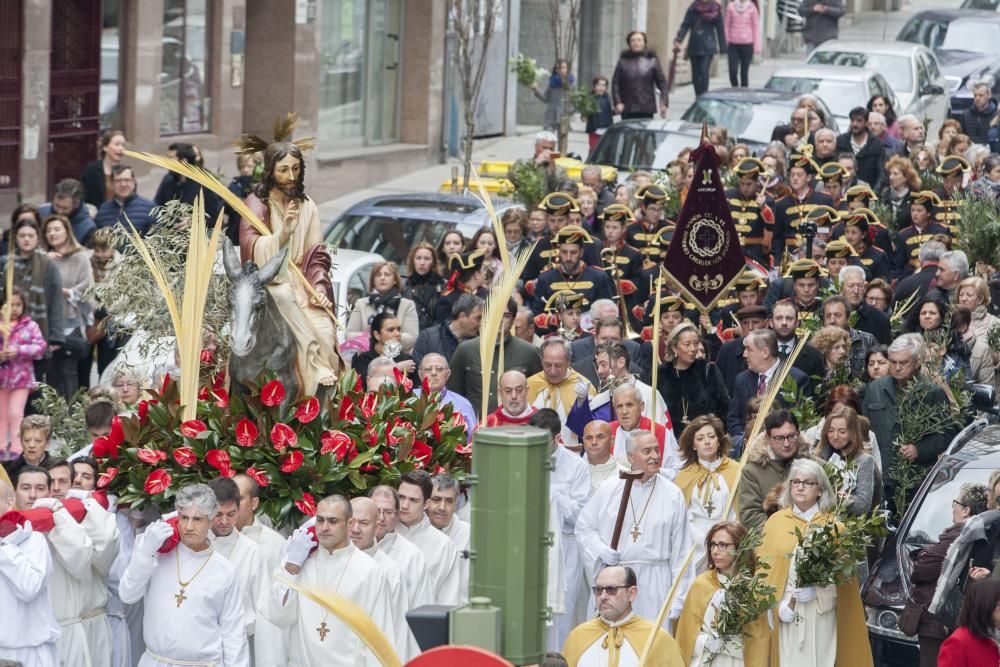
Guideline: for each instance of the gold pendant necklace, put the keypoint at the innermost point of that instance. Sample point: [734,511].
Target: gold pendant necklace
[636,521]
[323,629]
[180,597]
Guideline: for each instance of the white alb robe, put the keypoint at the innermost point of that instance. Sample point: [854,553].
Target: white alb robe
[412,564]
[72,552]
[252,572]
[350,573]
[270,643]
[207,627]
[602,471]
[597,654]
[442,560]
[664,539]
[702,520]
[29,630]
[569,488]
[460,533]
[395,588]
[102,527]
[125,619]
[672,460]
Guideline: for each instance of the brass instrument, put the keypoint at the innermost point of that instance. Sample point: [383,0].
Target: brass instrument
[611,268]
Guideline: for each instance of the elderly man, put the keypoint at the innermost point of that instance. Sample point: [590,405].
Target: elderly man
[524,326]
[919,283]
[244,555]
[193,607]
[597,442]
[379,373]
[654,541]
[952,270]
[593,179]
[434,371]
[441,512]
[406,554]
[837,313]
[558,385]
[976,119]
[878,127]
[329,562]
[881,406]
[444,337]
[590,645]
[608,328]
[760,349]
[443,568]
[29,631]
[870,320]
[730,356]
[67,200]
[826,146]
[362,529]
[514,409]
[629,408]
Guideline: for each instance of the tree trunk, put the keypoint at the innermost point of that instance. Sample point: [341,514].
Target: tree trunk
[470,126]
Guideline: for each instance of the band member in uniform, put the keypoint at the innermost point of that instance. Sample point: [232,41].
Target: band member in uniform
[833,176]
[857,226]
[748,290]
[806,275]
[641,234]
[858,196]
[572,272]
[558,207]
[790,210]
[751,209]
[952,171]
[562,316]
[467,277]
[923,206]
[622,262]
[839,254]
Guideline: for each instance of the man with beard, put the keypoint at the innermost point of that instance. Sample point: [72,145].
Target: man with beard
[868,150]
[791,210]
[784,323]
[642,233]
[837,313]
[572,273]
[752,210]
[67,200]
[279,200]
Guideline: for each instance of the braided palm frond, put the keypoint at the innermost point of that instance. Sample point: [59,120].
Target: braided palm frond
[248,144]
[283,127]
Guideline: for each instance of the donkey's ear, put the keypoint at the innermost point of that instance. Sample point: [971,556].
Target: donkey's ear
[272,266]
[231,260]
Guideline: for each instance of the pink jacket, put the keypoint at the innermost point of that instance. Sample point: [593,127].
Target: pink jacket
[27,341]
[743,26]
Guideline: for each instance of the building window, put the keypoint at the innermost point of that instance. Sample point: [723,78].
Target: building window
[342,71]
[110,65]
[184,99]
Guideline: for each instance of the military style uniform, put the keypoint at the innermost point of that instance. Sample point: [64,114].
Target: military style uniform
[788,214]
[589,281]
[948,211]
[754,223]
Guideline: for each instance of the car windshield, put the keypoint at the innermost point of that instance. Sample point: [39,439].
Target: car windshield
[640,148]
[934,513]
[926,31]
[980,4]
[745,120]
[390,237]
[840,96]
[977,37]
[897,70]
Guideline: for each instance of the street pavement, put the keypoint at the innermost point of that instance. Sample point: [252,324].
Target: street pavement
[874,26]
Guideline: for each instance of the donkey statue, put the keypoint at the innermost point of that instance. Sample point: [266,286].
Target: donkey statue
[260,338]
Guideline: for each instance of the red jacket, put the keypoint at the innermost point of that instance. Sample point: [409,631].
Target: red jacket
[964,649]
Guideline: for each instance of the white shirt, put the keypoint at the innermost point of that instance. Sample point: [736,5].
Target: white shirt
[398,603]
[29,628]
[672,460]
[768,374]
[72,553]
[602,471]
[442,560]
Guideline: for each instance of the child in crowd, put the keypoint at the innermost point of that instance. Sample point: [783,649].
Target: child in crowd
[598,122]
[98,416]
[21,345]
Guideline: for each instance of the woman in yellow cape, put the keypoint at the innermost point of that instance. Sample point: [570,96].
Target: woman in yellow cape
[811,619]
[707,479]
[695,632]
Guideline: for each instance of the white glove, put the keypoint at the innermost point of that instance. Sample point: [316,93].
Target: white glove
[718,598]
[53,504]
[714,644]
[609,556]
[79,494]
[19,535]
[582,389]
[786,613]
[154,537]
[805,594]
[299,544]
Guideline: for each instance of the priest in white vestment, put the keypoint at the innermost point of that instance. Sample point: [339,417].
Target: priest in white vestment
[193,605]
[318,637]
[364,524]
[656,535]
[629,408]
[243,553]
[126,619]
[441,512]
[102,527]
[270,643]
[29,630]
[597,443]
[415,489]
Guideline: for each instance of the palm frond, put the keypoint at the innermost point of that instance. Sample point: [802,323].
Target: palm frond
[656,343]
[156,270]
[484,199]
[284,126]
[248,144]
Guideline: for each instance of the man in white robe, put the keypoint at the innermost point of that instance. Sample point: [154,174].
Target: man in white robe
[270,643]
[318,637]
[656,535]
[72,551]
[193,605]
[102,527]
[415,489]
[243,553]
[441,512]
[629,408]
[363,525]
[597,443]
[29,630]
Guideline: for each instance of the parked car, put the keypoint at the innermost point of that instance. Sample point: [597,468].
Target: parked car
[349,276]
[751,114]
[842,87]
[967,45]
[389,225]
[633,145]
[912,71]
[993,5]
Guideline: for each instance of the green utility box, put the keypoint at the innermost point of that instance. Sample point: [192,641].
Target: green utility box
[510,534]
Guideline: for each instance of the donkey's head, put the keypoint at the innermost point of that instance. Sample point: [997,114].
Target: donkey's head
[247,296]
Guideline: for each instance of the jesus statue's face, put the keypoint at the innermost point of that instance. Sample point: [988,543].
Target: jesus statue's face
[286,173]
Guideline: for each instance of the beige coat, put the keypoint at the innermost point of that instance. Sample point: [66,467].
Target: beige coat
[408,320]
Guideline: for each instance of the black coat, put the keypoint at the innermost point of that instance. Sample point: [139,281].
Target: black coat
[438,338]
[424,292]
[173,188]
[731,363]
[746,388]
[582,352]
[638,75]
[692,392]
[708,37]
[821,27]
[976,123]
[919,282]
[873,321]
[870,158]
[92,178]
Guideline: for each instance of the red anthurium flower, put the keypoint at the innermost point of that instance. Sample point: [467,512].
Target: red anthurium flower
[334,441]
[425,385]
[291,461]
[192,427]
[203,394]
[421,453]
[218,459]
[346,411]
[358,385]
[158,481]
[283,436]
[207,357]
[106,477]
[371,436]
[185,457]
[117,435]
[307,505]
[402,379]
[227,472]
[143,410]
[166,381]
[457,419]
[307,411]
[272,393]
[104,448]
[436,429]
[463,450]
[386,459]
[258,476]
[368,405]
[246,432]
[438,469]
[221,397]
[151,456]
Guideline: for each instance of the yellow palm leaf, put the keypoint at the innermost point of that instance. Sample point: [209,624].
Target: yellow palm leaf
[484,199]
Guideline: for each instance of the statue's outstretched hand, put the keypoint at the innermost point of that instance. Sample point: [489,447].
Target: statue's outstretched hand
[290,221]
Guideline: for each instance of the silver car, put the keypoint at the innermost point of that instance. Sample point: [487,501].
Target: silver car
[843,88]
[911,69]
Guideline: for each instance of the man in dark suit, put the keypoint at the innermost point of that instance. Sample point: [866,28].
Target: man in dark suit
[869,319]
[606,330]
[919,283]
[760,348]
[784,320]
[730,360]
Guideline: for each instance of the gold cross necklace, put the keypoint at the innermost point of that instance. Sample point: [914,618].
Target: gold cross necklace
[323,629]
[636,521]
[180,597]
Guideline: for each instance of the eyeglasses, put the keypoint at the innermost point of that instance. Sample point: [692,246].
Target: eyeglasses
[387,512]
[955,502]
[724,546]
[610,590]
[804,483]
[792,437]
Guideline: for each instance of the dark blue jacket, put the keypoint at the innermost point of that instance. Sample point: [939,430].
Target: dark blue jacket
[138,209]
[604,116]
[83,225]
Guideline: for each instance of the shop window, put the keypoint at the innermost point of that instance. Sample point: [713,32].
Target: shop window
[184,99]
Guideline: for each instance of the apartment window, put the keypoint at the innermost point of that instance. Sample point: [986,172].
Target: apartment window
[184,99]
